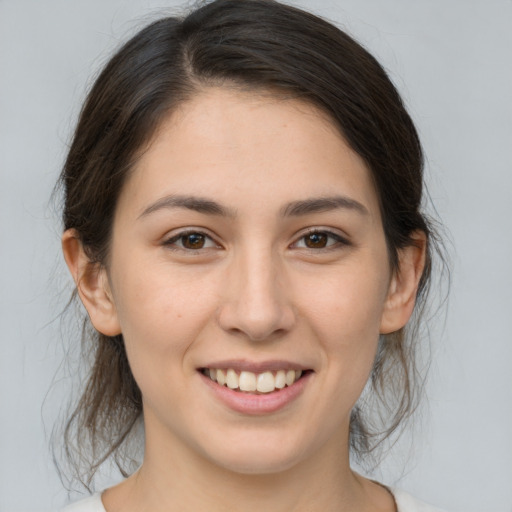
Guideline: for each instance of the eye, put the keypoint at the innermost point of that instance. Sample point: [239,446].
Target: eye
[191,241]
[320,240]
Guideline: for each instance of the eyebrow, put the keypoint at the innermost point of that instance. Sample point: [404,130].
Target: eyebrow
[198,204]
[293,209]
[323,204]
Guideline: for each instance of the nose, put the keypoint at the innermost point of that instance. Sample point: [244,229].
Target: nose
[256,301]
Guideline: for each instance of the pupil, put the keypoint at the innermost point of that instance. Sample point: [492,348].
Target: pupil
[193,241]
[316,240]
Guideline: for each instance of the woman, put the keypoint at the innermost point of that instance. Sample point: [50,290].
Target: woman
[242,221]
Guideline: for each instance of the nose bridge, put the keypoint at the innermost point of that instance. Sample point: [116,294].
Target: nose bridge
[255,300]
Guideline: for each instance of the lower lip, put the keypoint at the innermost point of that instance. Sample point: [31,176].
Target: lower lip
[247,403]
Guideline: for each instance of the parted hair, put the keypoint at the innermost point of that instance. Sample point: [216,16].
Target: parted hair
[256,45]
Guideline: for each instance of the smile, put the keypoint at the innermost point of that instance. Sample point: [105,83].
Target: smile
[249,382]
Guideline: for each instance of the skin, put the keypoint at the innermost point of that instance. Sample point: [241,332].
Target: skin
[255,292]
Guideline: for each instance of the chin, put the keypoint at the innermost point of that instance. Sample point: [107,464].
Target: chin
[266,457]
[261,464]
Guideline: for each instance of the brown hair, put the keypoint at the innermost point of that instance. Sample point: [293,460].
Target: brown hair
[254,44]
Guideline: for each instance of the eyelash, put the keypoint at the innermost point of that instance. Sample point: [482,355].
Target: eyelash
[339,241]
[172,242]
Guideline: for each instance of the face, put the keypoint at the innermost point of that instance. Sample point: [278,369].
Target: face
[248,252]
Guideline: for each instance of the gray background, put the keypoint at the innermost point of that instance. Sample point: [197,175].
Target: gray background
[452,61]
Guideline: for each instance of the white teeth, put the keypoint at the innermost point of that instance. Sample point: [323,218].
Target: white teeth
[247,381]
[231,379]
[221,377]
[264,382]
[280,379]
[290,377]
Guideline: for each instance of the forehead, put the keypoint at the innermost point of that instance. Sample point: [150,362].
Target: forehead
[224,141]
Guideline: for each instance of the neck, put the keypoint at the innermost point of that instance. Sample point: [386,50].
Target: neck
[177,478]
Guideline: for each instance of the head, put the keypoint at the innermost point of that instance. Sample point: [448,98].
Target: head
[279,60]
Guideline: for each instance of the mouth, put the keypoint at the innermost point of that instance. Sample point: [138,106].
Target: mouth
[248,382]
[252,388]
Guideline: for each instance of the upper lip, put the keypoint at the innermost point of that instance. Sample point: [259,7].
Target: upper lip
[256,366]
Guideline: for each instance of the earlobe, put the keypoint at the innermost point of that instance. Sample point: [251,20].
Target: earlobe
[404,283]
[92,285]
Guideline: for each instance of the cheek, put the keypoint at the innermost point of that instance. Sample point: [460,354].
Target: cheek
[344,310]
[161,314]
[348,300]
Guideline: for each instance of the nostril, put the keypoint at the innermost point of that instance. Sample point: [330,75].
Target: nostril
[257,324]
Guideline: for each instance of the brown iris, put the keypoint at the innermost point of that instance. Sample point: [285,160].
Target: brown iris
[316,240]
[193,241]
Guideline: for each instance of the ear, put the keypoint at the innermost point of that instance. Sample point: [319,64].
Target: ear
[403,286]
[92,285]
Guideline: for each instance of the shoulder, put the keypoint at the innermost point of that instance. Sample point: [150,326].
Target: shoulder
[406,503]
[91,504]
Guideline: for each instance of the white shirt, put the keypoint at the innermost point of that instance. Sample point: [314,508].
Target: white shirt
[405,503]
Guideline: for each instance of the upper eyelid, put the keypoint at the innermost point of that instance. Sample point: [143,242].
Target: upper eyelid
[179,232]
[340,242]
[176,235]
[328,231]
